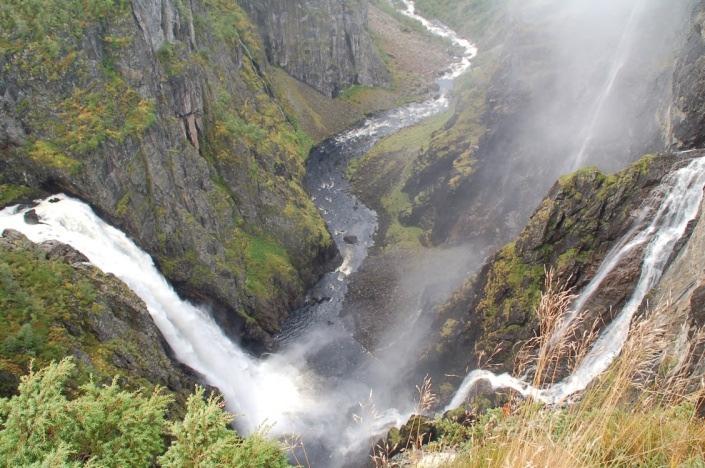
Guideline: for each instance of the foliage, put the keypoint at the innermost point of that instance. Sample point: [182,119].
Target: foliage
[109,427]
[41,46]
[637,413]
[10,194]
[104,426]
[203,438]
[36,295]
[266,262]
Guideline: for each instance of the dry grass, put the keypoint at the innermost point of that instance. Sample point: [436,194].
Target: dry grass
[637,414]
[416,436]
[641,412]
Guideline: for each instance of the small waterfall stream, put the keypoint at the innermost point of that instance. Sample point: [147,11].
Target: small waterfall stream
[682,195]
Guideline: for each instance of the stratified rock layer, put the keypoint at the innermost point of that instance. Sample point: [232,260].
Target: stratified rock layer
[323,43]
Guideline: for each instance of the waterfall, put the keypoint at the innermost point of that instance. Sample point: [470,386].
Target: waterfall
[620,56]
[683,194]
[255,391]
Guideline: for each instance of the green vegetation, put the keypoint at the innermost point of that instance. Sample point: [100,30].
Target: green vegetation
[10,193]
[386,169]
[510,295]
[475,18]
[266,264]
[41,48]
[645,410]
[36,296]
[49,423]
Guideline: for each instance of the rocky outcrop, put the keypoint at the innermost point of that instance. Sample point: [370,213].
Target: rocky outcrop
[55,304]
[323,43]
[159,115]
[572,231]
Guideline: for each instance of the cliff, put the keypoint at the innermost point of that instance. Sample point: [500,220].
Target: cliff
[323,43]
[571,232]
[159,114]
[687,113]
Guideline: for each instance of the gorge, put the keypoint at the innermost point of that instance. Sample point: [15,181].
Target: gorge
[314,285]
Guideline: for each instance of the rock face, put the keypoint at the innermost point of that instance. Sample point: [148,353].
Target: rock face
[54,304]
[687,113]
[572,231]
[323,43]
[159,115]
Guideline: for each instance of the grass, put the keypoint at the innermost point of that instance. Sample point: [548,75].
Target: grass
[386,168]
[10,194]
[639,413]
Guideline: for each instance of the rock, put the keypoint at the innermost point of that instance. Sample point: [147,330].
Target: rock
[418,430]
[323,43]
[687,113]
[31,217]
[350,239]
[57,250]
[99,321]
[572,231]
[16,238]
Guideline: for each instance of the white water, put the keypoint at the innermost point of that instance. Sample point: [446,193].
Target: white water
[620,57]
[441,30]
[683,195]
[255,391]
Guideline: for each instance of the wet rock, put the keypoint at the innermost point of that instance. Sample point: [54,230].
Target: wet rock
[323,43]
[31,217]
[572,231]
[687,113]
[418,430]
[350,239]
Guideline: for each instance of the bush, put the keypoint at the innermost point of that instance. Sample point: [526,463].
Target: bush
[107,426]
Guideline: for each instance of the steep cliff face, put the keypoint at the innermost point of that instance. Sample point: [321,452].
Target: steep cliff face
[323,43]
[159,115]
[55,304]
[687,112]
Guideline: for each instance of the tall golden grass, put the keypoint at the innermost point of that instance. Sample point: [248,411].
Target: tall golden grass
[639,413]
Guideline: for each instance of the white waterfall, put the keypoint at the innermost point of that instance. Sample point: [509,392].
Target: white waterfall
[683,195]
[256,391]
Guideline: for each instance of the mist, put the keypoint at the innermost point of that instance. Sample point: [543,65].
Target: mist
[580,83]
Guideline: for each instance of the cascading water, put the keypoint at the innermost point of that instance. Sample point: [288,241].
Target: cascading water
[682,193]
[316,380]
[256,391]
